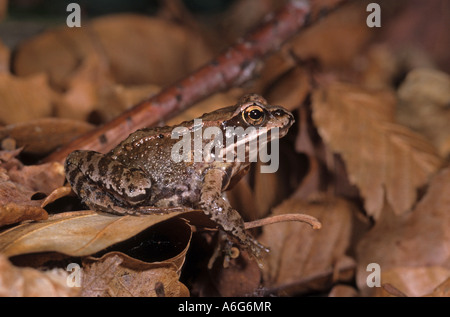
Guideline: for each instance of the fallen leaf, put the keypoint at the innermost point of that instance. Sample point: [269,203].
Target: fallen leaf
[85,88]
[126,43]
[24,99]
[75,233]
[117,275]
[299,254]
[242,277]
[291,89]
[43,135]
[383,159]
[443,290]
[419,239]
[4,57]
[12,212]
[39,178]
[29,282]
[16,199]
[343,291]
[424,97]
[412,281]
[328,40]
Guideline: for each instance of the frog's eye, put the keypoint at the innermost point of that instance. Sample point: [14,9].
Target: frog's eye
[254,115]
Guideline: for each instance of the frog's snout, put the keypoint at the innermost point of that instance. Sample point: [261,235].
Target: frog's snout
[285,117]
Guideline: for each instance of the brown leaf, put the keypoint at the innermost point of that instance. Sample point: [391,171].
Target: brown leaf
[115,99]
[299,254]
[125,43]
[23,282]
[412,281]
[443,290]
[16,212]
[329,42]
[75,233]
[39,178]
[343,291]
[424,98]
[19,185]
[241,278]
[85,88]
[4,56]
[418,240]
[44,135]
[24,99]
[116,274]
[16,202]
[291,89]
[383,159]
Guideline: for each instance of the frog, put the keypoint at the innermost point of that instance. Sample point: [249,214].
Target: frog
[140,176]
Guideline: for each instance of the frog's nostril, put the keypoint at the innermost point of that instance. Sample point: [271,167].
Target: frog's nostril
[278,113]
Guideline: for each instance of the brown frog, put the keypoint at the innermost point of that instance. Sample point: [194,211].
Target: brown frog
[141,176]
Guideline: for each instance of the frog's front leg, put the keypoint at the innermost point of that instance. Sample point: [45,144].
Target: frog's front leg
[220,211]
[106,184]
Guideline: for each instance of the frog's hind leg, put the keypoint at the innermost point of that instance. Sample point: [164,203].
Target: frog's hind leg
[105,184]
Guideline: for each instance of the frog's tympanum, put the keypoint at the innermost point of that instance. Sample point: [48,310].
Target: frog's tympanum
[140,176]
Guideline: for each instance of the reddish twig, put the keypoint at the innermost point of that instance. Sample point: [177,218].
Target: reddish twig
[231,68]
[313,222]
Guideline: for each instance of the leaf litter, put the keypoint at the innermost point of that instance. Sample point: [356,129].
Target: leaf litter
[368,158]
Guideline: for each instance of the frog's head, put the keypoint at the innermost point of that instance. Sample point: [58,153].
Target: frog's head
[252,110]
[251,119]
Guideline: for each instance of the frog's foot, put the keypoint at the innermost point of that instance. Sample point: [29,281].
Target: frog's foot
[257,250]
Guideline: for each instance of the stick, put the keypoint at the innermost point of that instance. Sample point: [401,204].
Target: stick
[313,222]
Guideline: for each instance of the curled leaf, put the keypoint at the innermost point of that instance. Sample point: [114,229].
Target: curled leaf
[116,274]
[75,233]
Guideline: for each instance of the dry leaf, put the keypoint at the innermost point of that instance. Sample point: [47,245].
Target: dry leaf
[329,41]
[244,15]
[4,57]
[117,275]
[16,199]
[41,136]
[28,282]
[424,98]
[299,254]
[443,290]
[125,43]
[241,278]
[383,159]
[412,281]
[343,291]
[291,89]
[75,233]
[42,178]
[84,89]
[24,99]
[418,240]
[116,99]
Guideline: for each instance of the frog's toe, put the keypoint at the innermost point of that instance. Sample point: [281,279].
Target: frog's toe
[258,250]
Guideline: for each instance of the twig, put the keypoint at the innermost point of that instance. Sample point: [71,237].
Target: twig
[313,222]
[231,68]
